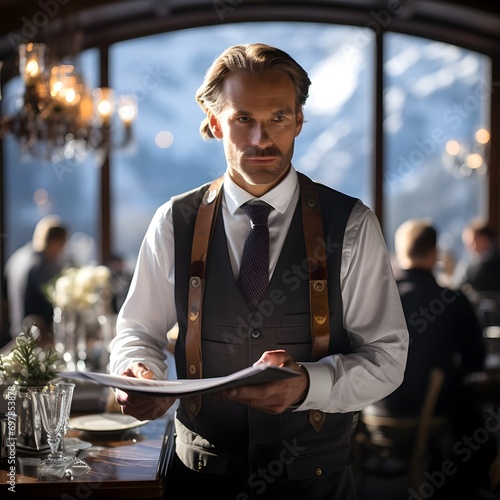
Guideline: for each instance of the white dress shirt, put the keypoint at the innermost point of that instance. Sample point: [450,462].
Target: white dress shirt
[373,316]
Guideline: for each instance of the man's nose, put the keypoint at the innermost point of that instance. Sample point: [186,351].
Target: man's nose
[261,137]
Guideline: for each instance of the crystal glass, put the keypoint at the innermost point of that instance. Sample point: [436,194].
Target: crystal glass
[54,405]
[69,389]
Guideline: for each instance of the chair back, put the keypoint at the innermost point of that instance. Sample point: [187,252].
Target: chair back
[396,446]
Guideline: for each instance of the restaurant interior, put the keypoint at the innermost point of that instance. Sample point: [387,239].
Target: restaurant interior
[96,99]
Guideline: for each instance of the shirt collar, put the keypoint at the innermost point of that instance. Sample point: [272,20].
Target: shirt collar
[279,197]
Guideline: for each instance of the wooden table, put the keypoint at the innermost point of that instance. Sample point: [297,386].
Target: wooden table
[127,465]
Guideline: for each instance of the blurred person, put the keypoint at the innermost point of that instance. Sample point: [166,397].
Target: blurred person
[444,333]
[480,271]
[441,322]
[47,263]
[17,268]
[253,97]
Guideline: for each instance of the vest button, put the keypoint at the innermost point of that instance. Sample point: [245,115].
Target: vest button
[194,313]
[255,334]
[200,465]
[319,471]
[192,369]
[317,416]
[311,202]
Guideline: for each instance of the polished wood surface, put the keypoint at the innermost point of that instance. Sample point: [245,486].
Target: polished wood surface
[127,465]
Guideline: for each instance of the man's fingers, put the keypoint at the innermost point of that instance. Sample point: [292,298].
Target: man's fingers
[277,357]
[121,397]
[138,370]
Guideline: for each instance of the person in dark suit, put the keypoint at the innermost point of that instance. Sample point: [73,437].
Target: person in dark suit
[481,271]
[47,264]
[444,333]
[18,267]
[328,308]
[443,326]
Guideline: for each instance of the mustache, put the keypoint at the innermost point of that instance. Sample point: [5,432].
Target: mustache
[262,153]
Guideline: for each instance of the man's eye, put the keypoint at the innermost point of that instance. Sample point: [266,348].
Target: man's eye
[279,118]
[243,119]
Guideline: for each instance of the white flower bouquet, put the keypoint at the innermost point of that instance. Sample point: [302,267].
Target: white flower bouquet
[81,297]
[81,288]
[28,364]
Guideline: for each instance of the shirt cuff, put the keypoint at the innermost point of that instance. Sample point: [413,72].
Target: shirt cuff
[320,386]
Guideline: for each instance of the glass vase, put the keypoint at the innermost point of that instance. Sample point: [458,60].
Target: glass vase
[31,437]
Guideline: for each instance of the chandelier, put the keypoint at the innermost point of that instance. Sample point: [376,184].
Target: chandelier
[465,159]
[59,119]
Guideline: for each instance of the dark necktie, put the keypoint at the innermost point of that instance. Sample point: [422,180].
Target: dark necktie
[254,269]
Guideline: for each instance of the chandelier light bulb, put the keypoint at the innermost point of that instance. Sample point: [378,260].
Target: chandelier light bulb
[56,88]
[474,160]
[482,136]
[453,148]
[104,101]
[70,96]
[32,68]
[127,109]
[31,61]
[104,108]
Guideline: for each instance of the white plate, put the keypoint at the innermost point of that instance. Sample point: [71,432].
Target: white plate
[105,422]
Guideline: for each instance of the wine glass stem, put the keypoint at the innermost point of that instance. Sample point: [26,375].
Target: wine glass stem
[54,445]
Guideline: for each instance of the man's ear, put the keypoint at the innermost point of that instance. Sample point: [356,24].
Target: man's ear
[215,126]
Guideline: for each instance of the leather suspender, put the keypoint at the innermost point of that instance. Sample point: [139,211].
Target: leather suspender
[318,290]
[314,237]
[316,259]
[201,239]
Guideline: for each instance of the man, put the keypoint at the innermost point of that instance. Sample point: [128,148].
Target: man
[47,264]
[443,327]
[287,439]
[18,266]
[444,333]
[481,272]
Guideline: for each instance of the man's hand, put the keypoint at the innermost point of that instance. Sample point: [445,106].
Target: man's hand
[141,407]
[274,397]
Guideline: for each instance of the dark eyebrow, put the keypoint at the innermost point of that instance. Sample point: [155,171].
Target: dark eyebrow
[284,111]
[280,111]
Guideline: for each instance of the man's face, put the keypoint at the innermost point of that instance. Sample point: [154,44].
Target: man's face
[258,124]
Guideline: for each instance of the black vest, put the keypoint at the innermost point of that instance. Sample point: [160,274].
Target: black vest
[226,436]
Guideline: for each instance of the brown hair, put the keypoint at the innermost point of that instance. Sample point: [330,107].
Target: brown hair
[415,239]
[44,231]
[253,58]
[56,233]
[480,226]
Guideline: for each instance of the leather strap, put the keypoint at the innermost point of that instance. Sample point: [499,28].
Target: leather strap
[318,274]
[201,240]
